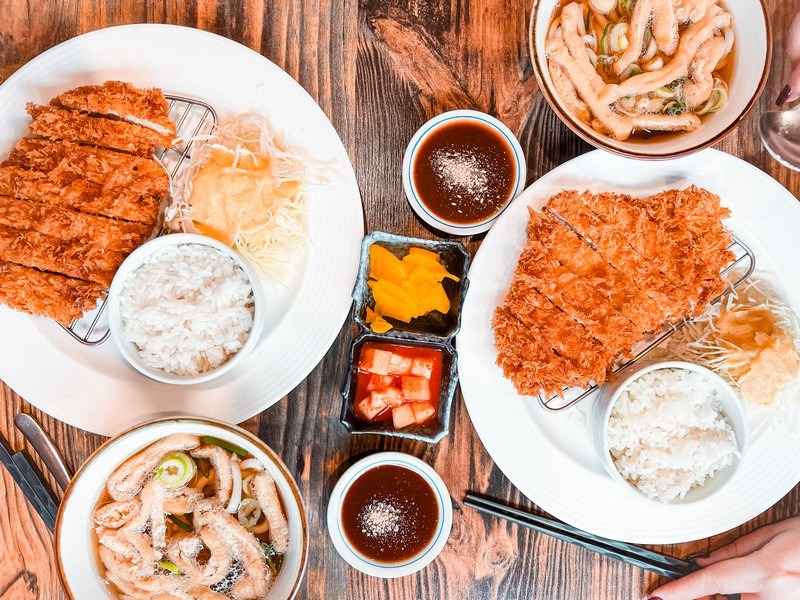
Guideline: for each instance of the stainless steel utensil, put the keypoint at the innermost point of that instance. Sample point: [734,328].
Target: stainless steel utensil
[780,134]
[44,446]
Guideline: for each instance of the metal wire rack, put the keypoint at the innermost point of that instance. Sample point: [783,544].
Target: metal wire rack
[193,119]
[742,267]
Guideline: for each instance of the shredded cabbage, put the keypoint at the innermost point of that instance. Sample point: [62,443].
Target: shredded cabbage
[697,342]
[276,238]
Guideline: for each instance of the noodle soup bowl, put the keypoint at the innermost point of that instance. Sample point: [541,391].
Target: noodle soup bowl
[752,54]
[118,294]
[75,541]
[726,400]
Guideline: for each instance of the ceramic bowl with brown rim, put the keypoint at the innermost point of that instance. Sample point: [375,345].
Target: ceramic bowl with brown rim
[751,56]
[76,548]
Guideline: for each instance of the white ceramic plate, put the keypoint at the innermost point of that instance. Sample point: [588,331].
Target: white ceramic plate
[550,457]
[93,388]
[74,543]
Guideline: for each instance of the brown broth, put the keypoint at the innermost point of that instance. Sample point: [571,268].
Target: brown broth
[204,468]
[390,514]
[640,136]
[464,171]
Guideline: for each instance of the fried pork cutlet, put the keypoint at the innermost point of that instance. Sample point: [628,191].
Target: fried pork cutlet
[35,292]
[60,124]
[146,107]
[592,280]
[698,213]
[541,348]
[577,297]
[67,224]
[111,169]
[46,253]
[613,246]
[78,194]
[583,260]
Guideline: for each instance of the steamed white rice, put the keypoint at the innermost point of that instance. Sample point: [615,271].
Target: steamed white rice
[666,433]
[188,309]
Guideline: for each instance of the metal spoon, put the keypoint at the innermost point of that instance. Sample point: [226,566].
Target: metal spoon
[780,134]
[45,447]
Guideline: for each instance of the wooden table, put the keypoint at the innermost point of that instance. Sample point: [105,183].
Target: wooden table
[379,70]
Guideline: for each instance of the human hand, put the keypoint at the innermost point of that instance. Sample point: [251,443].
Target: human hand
[791,91]
[763,565]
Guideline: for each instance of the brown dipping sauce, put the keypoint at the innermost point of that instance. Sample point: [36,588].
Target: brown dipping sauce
[464,171]
[390,514]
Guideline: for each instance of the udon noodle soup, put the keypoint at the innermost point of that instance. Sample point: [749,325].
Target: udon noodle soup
[190,517]
[628,66]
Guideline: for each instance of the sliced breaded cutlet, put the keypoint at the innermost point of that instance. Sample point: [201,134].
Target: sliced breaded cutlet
[61,124]
[70,258]
[71,225]
[79,194]
[613,245]
[615,285]
[137,175]
[144,106]
[36,292]
[577,297]
[696,214]
[541,348]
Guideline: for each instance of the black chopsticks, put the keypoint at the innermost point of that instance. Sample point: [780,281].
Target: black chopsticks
[31,483]
[656,562]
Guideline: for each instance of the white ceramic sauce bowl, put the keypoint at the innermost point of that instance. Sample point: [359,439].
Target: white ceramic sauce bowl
[140,257]
[423,558]
[730,405]
[75,550]
[752,55]
[412,194]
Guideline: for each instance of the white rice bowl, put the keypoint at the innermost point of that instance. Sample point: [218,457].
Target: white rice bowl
[667,434]
[184,308]
[189,309]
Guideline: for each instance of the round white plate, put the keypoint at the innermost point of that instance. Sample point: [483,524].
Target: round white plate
[550,457]
[93,388]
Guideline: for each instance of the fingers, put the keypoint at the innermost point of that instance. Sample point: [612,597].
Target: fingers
[791,91]
[793,40]
[737,575]
[750,542]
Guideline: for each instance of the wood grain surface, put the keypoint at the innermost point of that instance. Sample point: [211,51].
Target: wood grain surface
[378,69]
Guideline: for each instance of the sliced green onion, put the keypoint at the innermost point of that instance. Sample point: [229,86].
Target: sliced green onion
[665,92]
[165,564]
[627,5]
[207,439]
[274,559]
[249,512]
[176,470]
[603,6]
[675,108]
[179,523]
[603,39]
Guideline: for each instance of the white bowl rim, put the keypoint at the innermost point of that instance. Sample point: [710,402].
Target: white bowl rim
[600,141]
[224,428]
[647,366]
[416,563]
[135,260]
[424,131]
